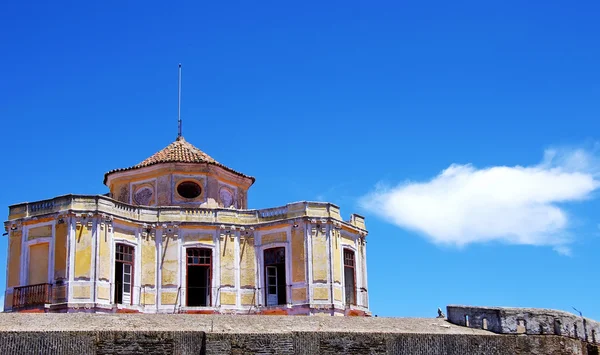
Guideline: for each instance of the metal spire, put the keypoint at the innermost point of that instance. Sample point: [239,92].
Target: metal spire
[179,106]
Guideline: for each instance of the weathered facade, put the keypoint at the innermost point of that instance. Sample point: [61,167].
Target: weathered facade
[174,234]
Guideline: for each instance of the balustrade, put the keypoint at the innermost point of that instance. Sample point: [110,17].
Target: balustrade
[32,295]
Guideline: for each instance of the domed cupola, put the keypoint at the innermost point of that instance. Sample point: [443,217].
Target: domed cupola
[180,175]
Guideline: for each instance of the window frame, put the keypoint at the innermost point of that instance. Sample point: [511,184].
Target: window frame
[210,268]
[351,251]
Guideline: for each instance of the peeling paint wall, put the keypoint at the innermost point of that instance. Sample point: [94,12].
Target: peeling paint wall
[298,255]
[274,238]
[82,291]
[148,261]
[247,263]
[39,232]
[83,251]
[227,245]
[169,262]
[14,260]
[38,264]
[319,256]
[60,251]
[336,252]
[313,255]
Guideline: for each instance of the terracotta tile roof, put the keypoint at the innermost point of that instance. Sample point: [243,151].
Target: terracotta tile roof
[179,151]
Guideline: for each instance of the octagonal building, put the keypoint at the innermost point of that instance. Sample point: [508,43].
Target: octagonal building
[175,235]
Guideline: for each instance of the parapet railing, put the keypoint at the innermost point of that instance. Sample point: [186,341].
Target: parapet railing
[32,295]
[150,214]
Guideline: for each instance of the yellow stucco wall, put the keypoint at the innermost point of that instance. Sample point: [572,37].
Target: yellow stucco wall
[247,299]
[169,261]
[83,251]
[228,298]
[274,237]
[14,261]
[298,255]
[320,293]
[336,252]
[104,260]
[8,301]
[337,294]
[299,294]
[148,298]
[247,267]
[103,292]
[38,264]
[347,240]
[60,251]
[205,238]
[148,261]
[122,233]
[80,291]
[168,298]
[319,257]
[40,232]
[227,262]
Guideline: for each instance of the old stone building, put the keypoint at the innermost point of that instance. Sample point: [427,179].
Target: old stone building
[175,234]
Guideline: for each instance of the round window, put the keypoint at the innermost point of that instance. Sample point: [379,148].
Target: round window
[189,189]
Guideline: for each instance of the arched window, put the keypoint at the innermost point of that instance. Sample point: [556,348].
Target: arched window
[199,277]
[274,273]
[349,277]
[124,258]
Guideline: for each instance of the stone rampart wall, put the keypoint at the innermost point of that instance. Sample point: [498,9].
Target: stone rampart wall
[101,343]
[302,343]
[535,321]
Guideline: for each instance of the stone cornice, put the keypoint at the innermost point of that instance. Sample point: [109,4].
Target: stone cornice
[105,206]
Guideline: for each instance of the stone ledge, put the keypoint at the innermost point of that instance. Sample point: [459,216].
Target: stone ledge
[226,323]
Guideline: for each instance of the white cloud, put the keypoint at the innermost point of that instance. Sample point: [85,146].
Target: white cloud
[516,205]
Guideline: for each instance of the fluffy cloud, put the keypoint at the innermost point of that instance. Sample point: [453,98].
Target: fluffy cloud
[516,205]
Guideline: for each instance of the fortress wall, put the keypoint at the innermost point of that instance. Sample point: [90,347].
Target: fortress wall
[536,321]
[102,342]
[301,343]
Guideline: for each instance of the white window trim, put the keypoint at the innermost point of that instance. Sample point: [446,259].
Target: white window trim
[183,268]
[261,277]
[25,256]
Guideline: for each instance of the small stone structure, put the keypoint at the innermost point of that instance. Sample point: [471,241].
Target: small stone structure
[531,321]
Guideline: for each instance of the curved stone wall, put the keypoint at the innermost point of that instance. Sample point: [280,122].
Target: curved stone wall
[504,320]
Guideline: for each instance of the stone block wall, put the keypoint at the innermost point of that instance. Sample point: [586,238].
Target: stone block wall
[301,343]
[535,321]
[102,343]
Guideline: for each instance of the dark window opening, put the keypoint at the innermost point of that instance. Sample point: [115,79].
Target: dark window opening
[557,330]
[275,283]
[124,258]
[541,329]
[189,189]
[575,330]
[593,336]
[349,277]
[199,275]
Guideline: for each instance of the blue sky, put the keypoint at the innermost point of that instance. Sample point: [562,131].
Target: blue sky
[465,132]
